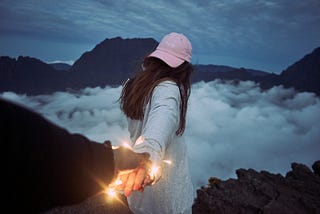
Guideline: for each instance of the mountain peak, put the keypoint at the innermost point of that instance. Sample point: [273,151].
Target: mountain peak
[116,55]
[304,75]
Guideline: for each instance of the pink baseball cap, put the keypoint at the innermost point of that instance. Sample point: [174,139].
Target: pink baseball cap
[174,49]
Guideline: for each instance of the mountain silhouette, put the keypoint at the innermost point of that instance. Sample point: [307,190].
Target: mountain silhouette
[304,75]
[60,66]
[114,60]
[29,75]
[111,62]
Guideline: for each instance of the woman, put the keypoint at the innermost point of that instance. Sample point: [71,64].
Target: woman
[155,102]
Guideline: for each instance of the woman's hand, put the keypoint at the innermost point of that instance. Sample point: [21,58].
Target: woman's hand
[135,181]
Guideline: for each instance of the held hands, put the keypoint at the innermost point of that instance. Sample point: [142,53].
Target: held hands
[133,169]
[135,180]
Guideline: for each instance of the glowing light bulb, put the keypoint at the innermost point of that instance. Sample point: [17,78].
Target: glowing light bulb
[118,182]
[167,162]
[115,147]
[127,145]
[154,170]
[111,192]
[139,140]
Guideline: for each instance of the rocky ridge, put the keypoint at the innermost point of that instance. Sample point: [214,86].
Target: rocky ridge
[263,192]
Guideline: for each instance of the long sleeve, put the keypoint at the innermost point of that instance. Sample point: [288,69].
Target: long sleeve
[161,121]
[45,165]
[172,190]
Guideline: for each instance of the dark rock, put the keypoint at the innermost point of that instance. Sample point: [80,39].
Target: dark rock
[98,204]
[263,192]
[316,167]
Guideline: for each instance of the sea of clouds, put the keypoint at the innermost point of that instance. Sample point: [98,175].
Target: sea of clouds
[229,126]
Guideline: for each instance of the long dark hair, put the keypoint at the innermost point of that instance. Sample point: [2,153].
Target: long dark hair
[138,90]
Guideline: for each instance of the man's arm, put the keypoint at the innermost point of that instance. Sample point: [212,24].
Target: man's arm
[47,166]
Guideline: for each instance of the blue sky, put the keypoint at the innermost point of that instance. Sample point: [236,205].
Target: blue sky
[267,35]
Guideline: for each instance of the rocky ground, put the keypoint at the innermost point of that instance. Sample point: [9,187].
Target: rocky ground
[251,192]
[263,192]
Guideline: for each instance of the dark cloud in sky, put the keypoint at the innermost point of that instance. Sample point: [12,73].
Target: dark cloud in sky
[267,35]
[228,126]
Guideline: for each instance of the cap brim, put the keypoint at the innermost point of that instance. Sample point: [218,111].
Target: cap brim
[168,58]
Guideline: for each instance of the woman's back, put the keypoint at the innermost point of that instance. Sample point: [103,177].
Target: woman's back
[173,192]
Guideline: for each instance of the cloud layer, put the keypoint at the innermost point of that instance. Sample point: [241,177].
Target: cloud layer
[267,35]
[229,126]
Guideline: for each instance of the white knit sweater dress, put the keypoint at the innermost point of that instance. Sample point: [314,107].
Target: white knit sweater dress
[156,134]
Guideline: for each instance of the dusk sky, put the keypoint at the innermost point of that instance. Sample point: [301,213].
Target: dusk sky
[267,35]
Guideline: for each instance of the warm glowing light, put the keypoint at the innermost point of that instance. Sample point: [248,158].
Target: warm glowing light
[154,170]
[167,162]
[118,182]
[111,192]
[139,140]
[127,145]
[115,147]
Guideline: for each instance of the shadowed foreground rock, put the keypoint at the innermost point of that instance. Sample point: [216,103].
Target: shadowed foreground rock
[97,204]
[263,192]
